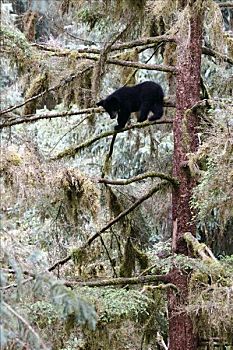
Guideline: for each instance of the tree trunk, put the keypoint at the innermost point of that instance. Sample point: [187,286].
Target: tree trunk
[189,42]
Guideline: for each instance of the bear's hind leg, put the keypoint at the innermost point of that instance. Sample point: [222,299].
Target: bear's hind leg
[157,110]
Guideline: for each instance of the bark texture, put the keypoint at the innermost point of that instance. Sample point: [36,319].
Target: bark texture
[189,39]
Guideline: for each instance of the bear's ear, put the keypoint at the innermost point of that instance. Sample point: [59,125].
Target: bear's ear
[100,103]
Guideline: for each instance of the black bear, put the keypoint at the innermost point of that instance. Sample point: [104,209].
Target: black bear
[145,97]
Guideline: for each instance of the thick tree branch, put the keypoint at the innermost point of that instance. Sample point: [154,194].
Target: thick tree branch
[70,152]
[140,177]
[33,118]
[121,281]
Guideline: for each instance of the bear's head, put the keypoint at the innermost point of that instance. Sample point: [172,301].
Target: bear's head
[111,106]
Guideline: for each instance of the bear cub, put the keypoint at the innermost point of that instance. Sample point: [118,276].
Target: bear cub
[143,98]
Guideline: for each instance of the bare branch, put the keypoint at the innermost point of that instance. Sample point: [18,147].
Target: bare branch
[70,152]
[139,178]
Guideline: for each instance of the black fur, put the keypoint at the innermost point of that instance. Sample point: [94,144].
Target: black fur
[143,98]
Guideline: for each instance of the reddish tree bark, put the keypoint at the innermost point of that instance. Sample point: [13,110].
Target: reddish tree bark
[181,333]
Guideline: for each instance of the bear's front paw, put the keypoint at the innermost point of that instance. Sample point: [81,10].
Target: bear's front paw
[153,117]
[117,127]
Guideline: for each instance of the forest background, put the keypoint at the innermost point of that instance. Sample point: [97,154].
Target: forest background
[120,240]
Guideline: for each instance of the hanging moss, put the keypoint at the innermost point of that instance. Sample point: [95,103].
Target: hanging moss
[80,193]
[38,85]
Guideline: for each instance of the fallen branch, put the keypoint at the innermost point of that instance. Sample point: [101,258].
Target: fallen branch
[70,152]
[140,177]
[120,281]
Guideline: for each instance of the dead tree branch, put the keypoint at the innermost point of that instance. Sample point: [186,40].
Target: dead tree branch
[116,47]
[216,54]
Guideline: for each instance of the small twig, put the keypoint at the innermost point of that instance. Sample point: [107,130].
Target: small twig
[108,156]
[108,255]
[225,4]
[71,129]
[213,53]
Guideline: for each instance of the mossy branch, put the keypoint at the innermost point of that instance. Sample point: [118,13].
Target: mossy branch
[154,189]
[63,261]
[199,248]
[34,118]
[140,177]
[157,67]
[228,4]
[70,152]
[121,281]
[52,88]
[115,47]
